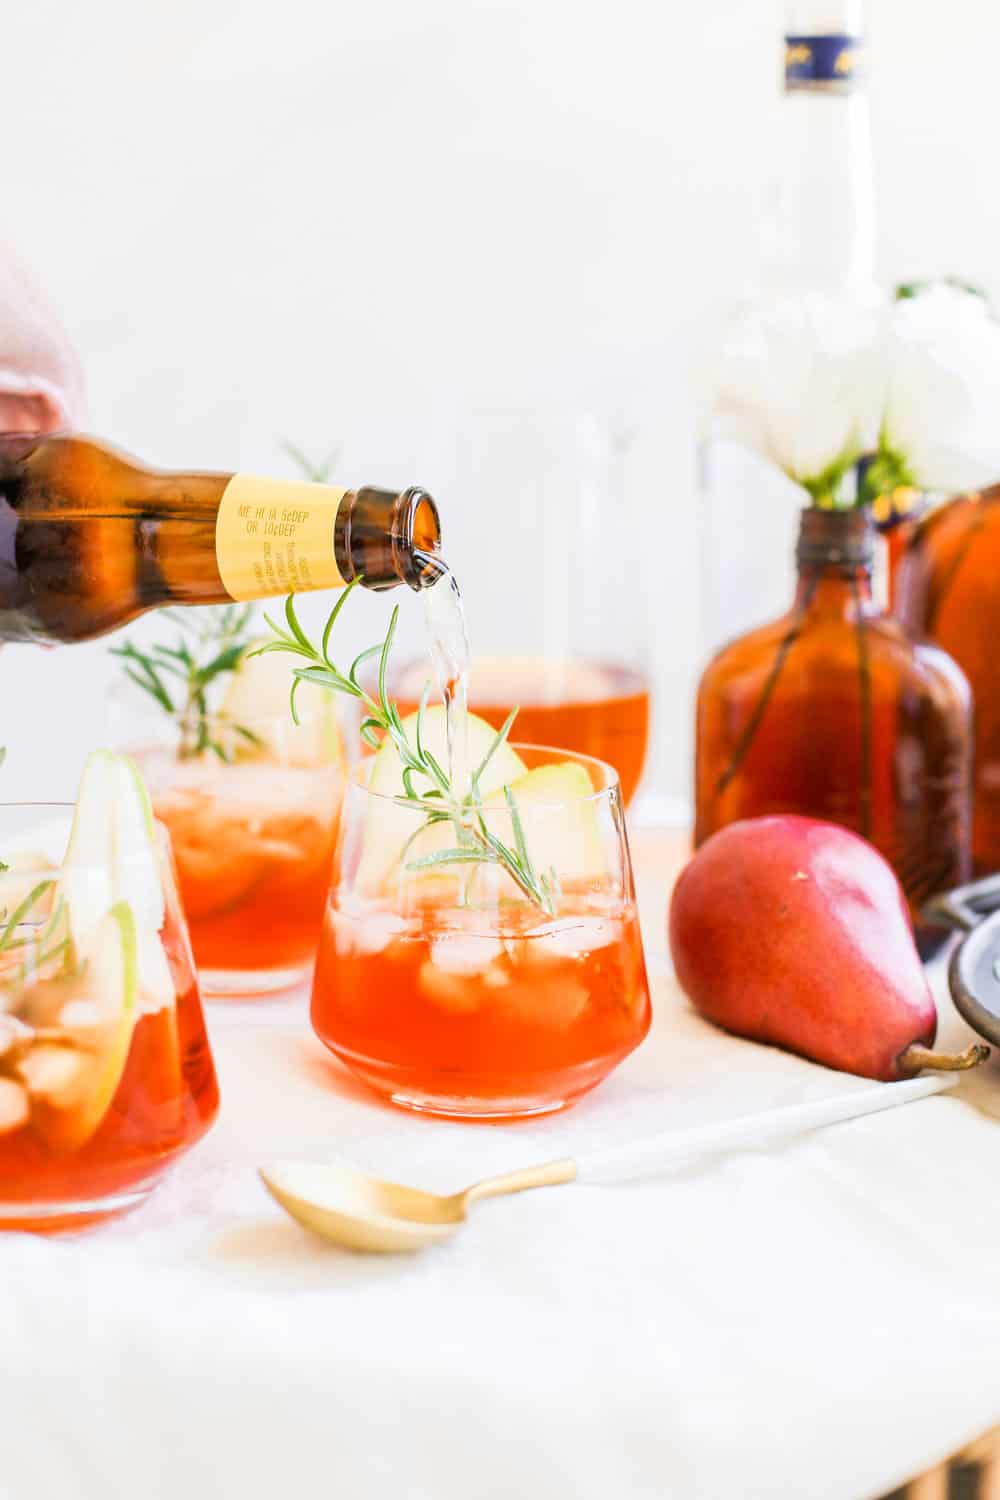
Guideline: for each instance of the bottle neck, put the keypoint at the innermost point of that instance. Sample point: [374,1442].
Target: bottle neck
[835,556]
[279,536]
[823,226]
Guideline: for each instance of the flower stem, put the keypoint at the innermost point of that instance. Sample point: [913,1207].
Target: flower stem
[760,707]
[865,708]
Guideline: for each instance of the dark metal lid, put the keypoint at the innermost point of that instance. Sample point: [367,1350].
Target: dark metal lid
[835,539]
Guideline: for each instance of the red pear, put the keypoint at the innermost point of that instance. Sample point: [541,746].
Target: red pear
[796,932]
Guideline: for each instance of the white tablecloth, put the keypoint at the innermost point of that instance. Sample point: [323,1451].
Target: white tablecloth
[811,1323]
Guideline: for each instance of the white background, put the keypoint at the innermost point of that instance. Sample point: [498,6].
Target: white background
[428,233]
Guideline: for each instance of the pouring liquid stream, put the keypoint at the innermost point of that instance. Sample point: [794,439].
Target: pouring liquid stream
[449,644]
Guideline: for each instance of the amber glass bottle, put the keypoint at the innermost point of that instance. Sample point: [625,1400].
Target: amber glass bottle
[832,712]
[946,589]
[89,538]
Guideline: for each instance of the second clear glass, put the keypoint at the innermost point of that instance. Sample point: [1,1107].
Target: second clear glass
[252,813]
[555,602]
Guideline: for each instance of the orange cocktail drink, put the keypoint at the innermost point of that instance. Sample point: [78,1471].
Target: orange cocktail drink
[448,987]
[253,844]
[253,833]
[105,1071]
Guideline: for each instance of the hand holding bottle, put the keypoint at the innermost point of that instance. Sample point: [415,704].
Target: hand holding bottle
[41,382]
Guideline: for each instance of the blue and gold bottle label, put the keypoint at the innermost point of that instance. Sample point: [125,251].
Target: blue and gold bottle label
[829,64]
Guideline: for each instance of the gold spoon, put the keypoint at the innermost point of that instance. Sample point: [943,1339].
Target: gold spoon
[365,1213]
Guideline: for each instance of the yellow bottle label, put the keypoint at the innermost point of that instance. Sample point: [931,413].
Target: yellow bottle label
[275,536]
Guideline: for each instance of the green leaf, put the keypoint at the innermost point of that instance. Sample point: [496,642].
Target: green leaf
[419,732]
[451,857]
[316,473]
[334,616]
[384,659]
[21,911]
[436,771]
[226,661]
[296,684]
[518,827]
[360,660]
[326,677]
[247,734]
[499,739]
[293,623]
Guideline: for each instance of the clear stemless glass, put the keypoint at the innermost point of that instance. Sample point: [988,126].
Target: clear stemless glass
[566,637]
[444,987]
[252,812]
[105,1071]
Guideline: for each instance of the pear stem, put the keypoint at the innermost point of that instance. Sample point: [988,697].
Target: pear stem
[916,1057]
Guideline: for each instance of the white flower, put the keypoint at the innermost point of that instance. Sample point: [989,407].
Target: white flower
[942,409]
[801,381]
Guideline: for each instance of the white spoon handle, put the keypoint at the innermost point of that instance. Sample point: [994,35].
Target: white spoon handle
[642,1158]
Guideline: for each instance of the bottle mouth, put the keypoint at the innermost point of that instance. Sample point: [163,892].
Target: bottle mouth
[387,538]
[842,539]
[416,539]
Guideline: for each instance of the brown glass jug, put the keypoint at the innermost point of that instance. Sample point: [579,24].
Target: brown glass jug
[833,712]
[946,588]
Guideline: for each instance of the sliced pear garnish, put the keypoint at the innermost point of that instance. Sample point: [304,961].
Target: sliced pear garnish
[112,856]
[388,827]
[87,879]
[256,700]
[137,875]
[71,1084]
[558,812]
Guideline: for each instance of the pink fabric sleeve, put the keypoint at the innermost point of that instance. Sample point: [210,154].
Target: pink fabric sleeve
[41,381]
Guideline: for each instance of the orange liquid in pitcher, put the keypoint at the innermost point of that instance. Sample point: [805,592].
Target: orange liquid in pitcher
[164,1101]
[446,1012]
[594,708]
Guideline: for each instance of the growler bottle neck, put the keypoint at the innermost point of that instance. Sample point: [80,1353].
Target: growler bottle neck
[835,554]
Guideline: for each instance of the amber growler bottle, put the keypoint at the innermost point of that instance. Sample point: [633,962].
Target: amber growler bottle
[833,712]
[89,538]
[945,589]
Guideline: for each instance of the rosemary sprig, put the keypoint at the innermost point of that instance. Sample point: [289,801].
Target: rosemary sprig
[210,643]
[316,473]
[427,785]
[50,941]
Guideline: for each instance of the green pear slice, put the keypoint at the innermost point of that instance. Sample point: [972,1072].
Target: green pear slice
[71,1083]
[87,879]
[256,698]
[138,878]
[557,806]
[388,827]
[112,856]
